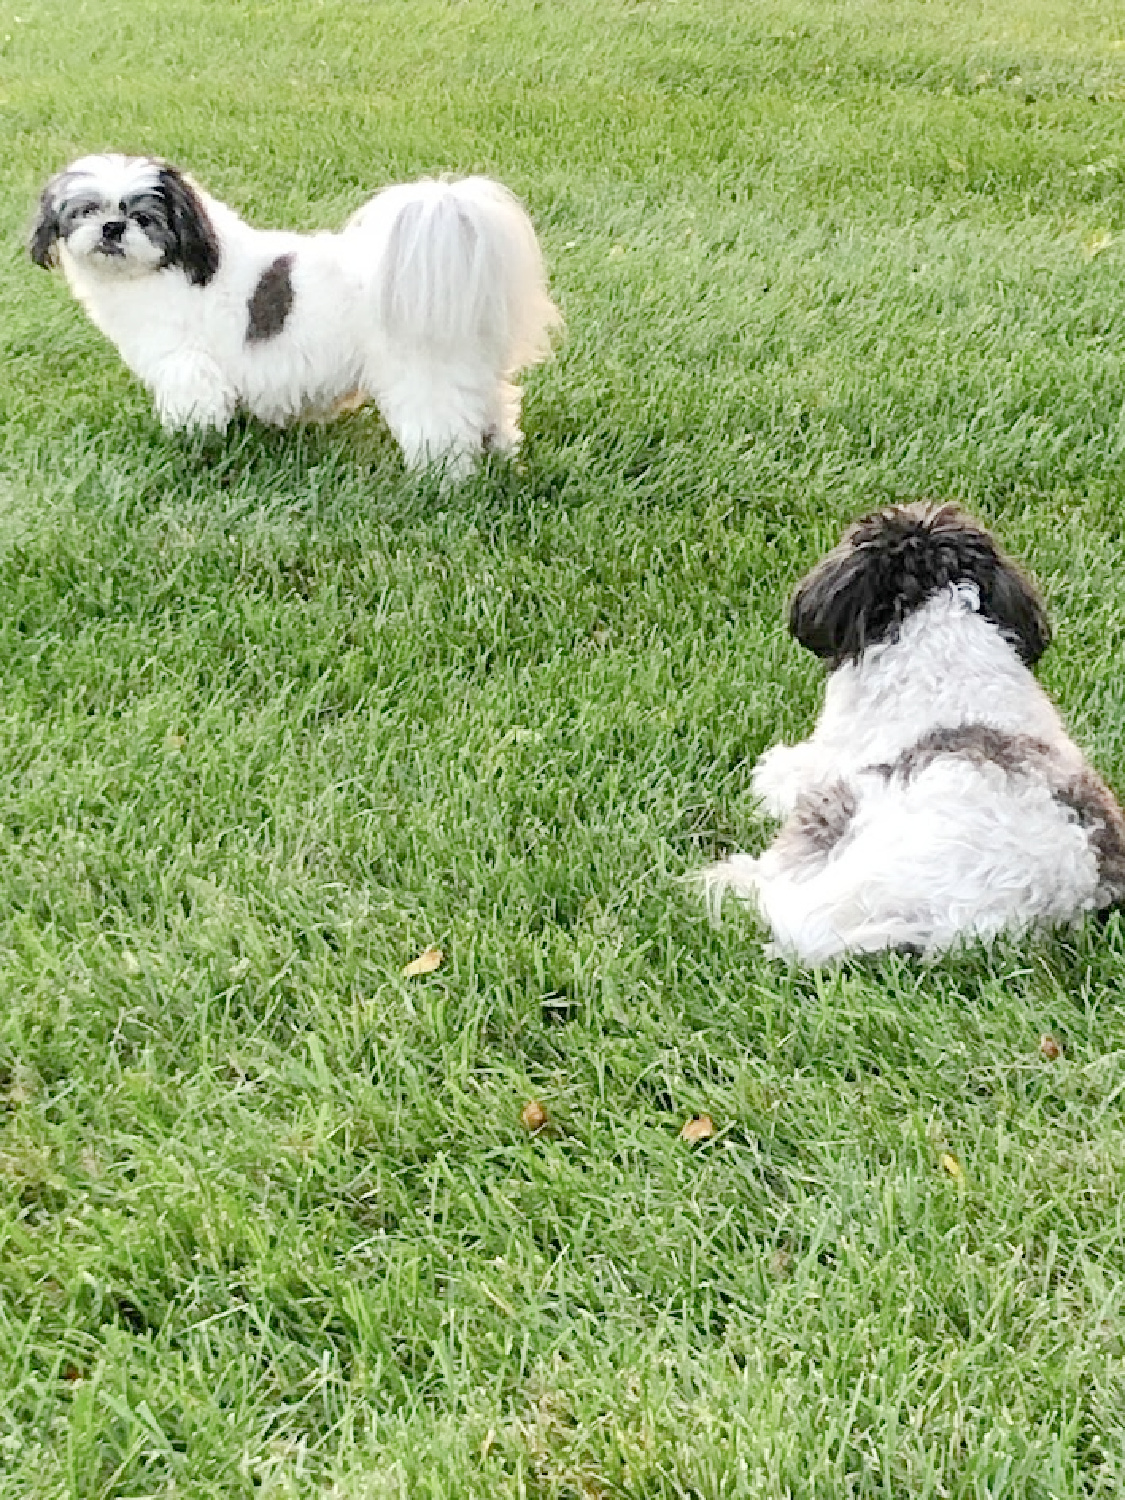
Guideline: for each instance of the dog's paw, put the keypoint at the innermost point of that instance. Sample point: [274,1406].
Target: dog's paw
[191,396]
[779,778]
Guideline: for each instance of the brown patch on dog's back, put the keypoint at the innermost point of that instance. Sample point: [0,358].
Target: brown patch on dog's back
[979,743]
[270,302]
[1101,819]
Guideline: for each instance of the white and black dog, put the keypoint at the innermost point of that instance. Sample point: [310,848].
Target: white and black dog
[428,303]
[939,797]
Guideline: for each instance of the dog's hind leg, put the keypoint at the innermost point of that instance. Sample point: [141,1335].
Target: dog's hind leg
[957,855]
[444,415]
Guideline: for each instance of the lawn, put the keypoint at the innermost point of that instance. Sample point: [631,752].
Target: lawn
[276,717]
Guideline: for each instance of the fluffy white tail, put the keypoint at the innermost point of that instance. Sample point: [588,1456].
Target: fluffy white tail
[458,268]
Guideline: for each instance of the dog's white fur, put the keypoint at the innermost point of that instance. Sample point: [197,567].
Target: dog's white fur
[901,831]
[428,303]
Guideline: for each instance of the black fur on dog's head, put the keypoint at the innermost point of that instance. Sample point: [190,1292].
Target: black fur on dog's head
[135,212]
[890,563]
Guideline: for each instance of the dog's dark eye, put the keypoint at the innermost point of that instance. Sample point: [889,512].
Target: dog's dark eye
[142,221]
[86,210]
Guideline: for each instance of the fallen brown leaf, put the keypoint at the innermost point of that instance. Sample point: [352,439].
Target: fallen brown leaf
[533,1116]
[698,1128]
[425,963]
[1095,243]
[781,1264]
[1049,1047]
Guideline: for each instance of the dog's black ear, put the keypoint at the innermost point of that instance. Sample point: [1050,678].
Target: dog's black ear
[195,243]
[1013,603]
[835,610]
[43,246]
[1007,595]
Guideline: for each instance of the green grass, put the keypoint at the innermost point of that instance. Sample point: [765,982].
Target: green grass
[274,717]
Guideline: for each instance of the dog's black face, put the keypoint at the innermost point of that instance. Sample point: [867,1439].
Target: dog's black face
[128,216]
[890,563]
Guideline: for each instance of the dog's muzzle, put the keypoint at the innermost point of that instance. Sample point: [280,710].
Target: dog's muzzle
[113,232]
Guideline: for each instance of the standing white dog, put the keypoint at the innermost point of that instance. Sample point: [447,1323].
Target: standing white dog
[428,303]
[939,796]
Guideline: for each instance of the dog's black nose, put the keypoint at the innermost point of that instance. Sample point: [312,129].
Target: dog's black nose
[114,230]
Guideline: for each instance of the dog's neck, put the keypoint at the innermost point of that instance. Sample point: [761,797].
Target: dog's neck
[946,666]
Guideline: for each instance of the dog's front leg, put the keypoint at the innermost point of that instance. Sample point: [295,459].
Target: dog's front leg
[192,395]
[783,772]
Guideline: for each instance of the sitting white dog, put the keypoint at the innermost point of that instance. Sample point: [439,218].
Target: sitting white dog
[428,303]
[939,797]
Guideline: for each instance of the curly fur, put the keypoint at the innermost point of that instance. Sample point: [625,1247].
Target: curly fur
[939,797]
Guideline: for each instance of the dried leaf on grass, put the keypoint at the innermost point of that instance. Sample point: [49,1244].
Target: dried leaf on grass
[425,963]
[951,1165]
[1095,243]
[781,1264]
[698,1128]
[533,1116]
[1050,1047]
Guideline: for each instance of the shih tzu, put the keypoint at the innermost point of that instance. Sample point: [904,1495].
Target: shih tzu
[939,797]
[428,303]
